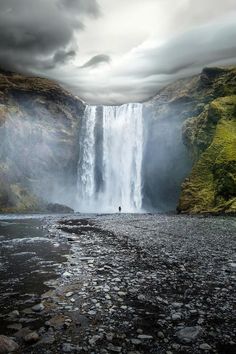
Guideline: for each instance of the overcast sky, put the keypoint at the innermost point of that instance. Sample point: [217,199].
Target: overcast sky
[115,51]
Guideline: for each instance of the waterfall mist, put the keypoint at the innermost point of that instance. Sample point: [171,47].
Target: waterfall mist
[110,163]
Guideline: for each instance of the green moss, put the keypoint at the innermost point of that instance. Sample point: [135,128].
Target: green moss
[211,186]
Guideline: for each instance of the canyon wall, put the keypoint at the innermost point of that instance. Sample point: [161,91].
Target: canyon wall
[38,143]
[201,111]
[189,144]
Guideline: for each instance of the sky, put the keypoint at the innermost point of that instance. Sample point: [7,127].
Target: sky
[116,51]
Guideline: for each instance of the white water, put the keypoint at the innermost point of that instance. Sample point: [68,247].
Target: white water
[86,166]
[122,150]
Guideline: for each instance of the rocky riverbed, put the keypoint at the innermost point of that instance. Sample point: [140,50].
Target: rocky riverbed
[134,284]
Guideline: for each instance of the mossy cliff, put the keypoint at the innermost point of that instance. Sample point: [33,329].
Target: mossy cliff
[201,111]
[210,137]
[38,142]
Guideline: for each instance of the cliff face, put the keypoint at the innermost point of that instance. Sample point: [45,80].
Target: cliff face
[190,139]
[38,142]
[211,137]
[200,112]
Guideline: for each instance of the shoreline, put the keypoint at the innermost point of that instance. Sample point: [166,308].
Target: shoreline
[132,283]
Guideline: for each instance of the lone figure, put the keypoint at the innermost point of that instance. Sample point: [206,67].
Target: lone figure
[119,209]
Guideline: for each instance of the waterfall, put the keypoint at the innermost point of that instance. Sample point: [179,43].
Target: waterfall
[120,157]
[86,170]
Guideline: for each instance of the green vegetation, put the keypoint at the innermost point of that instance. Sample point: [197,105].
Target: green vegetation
[211,138]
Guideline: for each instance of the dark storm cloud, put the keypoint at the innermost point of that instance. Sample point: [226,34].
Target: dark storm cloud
[97,59]
[40,34]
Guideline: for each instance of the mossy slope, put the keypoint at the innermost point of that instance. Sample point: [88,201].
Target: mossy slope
[211,138]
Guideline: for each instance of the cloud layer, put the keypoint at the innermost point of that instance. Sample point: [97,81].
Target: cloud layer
[114,52]
[41,34]
[140,73]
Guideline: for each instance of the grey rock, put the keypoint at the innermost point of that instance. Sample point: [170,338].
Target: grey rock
[32,337]
[38,307]
[176,316]
[144,336]
[188,334]
[160,335]
[7,345]
[205,346]
[14,313]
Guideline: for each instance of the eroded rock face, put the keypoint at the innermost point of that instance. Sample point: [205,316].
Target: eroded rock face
[201,113]
[211,186]
[39,124]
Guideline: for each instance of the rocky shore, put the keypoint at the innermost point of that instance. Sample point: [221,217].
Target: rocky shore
[134,284]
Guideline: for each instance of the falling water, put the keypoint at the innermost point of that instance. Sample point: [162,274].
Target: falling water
[86,165]
[121,170]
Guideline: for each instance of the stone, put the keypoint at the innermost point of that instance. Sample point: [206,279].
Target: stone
[69,294]
[136,341]
[144,336]
[141,297]
[32,337]
[160,335]
[67,348]
[176,316]
[38,307]
[7,345]
[66,275]
[188,334]
[205,346]
[94,339]
[15,326]
[14,313]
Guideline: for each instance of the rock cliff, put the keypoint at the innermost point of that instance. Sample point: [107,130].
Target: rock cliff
[200,111]
[189,153]
[38,143]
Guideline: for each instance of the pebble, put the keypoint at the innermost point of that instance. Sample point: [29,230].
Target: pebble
[144,336]
[7,345]
[38,307]
[31,337]
[176,316]
[205,346]
[188,334]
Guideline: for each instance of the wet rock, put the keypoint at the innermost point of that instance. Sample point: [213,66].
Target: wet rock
[67,347]
[160,335]
[94,339]
[205,346]
[22,332]
[69,294]
[14,313]
[67,275]
[136,341]
[15,326]
[7,345]
[176,316]
[144,337]
[38,307]
[32,337]
[188,334]
[57,322]
[114,348]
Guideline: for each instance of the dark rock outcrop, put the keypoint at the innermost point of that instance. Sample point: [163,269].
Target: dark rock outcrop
[38,143]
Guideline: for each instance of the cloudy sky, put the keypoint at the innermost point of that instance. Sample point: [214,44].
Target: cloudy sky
[115,51]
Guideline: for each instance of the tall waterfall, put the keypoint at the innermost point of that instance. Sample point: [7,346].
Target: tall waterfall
[110,164]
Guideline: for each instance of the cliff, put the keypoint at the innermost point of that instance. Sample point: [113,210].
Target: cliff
[189,150]
[200,112]
[38,142]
